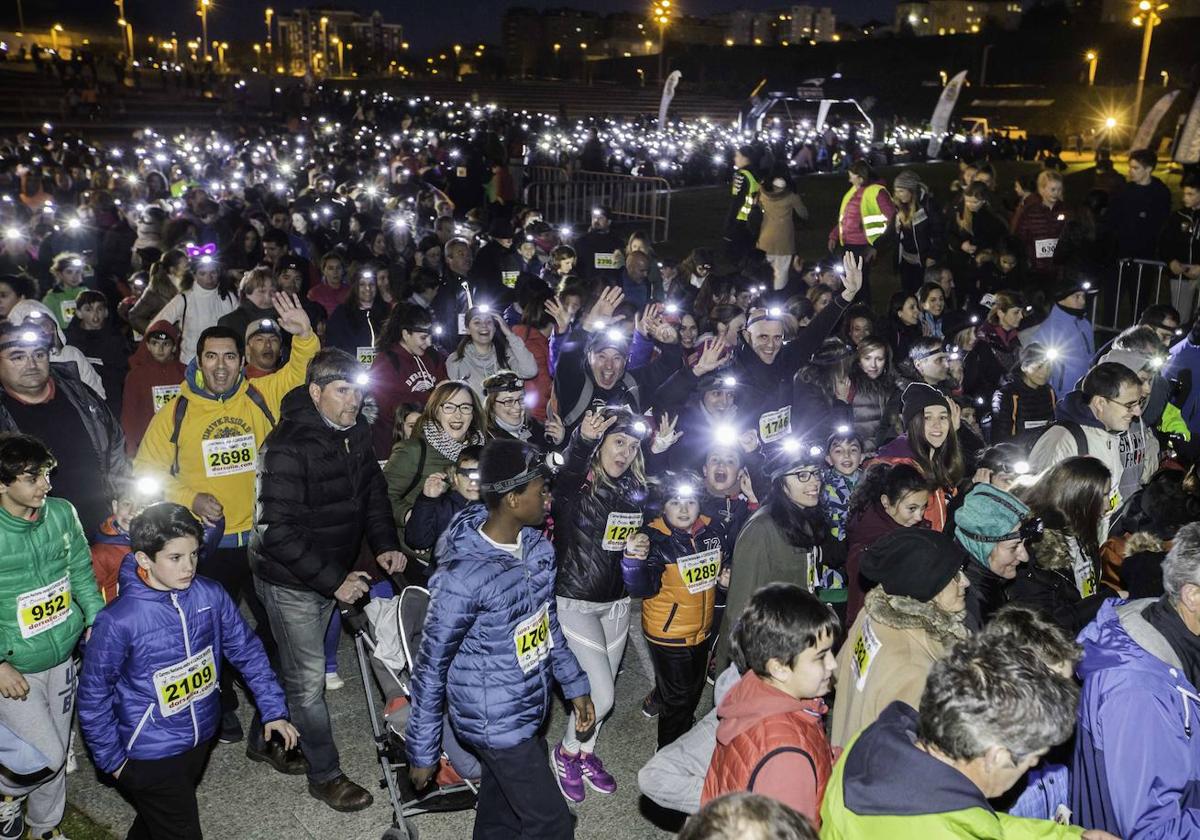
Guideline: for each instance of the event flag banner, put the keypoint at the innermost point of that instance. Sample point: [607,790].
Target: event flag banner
[1188,150]
[939,123]
[668,94]
[1149,127]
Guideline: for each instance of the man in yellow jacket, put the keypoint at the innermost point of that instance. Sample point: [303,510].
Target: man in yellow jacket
[203,446]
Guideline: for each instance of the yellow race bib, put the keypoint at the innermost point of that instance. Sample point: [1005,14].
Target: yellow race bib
[532,640]
[40,609]
[178,686]
[618,528]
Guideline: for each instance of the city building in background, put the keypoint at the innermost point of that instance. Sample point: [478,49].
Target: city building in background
[956,17]
[327,41]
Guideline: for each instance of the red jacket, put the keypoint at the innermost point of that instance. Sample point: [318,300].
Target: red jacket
[899,452]
[148,387]
[1039,228]
[398,376]
[537,389]
[773,744]
[109,547]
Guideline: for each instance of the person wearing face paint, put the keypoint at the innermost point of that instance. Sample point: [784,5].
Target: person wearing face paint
[771,735]
[787,539]
[320,495]
[205,296]
[599,496]
[674,564]
[931,444]
[908,622]
[93,333]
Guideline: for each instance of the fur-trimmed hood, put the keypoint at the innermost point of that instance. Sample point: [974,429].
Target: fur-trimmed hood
[904,613]
[1144,541]
[1054,550]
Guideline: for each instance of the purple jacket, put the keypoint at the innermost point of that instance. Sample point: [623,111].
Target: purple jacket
[1137,751]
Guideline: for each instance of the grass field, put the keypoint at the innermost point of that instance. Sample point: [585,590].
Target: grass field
[79,826]
[698,216]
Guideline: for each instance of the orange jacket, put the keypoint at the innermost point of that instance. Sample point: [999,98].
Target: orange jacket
[677,616]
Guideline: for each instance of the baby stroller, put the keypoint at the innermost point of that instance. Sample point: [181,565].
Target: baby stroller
[409,617]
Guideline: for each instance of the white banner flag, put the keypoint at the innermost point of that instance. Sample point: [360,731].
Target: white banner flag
[939,123]
[1188,150]
[1149,127]
[667,95]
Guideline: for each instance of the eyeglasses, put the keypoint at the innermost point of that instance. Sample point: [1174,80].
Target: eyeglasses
[509,402]
[457,408]
[1129,406]
[805,476]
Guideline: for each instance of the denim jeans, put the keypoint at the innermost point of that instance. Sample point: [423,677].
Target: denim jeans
[299,619]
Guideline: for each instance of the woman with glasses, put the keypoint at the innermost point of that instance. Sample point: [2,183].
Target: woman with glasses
[1062,577]
[787,540]
[488,346]
[908,622]
[452,419]
[598,499]
[504,406]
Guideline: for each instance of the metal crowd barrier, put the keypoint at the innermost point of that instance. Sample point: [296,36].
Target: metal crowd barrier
[629,198]
[1138,272]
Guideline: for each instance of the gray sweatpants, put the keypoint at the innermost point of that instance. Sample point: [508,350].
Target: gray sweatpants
[42,719]
[596,634]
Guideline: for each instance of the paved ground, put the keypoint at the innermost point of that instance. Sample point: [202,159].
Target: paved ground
[248,801]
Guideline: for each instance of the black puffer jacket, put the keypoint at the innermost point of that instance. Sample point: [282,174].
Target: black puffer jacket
[320,491]
[1021,411]
[586,570]
[868,404]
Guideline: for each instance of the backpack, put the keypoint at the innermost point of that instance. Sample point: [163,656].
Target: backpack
[181,404]
[1076,430]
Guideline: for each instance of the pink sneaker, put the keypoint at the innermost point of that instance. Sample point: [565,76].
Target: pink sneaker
[568,774]
[597,778]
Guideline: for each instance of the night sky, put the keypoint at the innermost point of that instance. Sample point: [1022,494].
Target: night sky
[424,20]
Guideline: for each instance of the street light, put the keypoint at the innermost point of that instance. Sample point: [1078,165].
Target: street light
[324,40]
[54,30]
[1093,58]
[221,47]
[270,13]
[337,42]
[257,56]
[203,12]
[661,12]
[457,53]
[1147,17]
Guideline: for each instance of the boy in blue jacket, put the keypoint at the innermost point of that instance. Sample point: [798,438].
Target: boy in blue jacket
[149,703]
[491,648]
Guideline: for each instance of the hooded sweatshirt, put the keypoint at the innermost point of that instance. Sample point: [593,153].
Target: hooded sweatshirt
[62,352]
[770,743]
[219,438]
[149,386]
[1057,443]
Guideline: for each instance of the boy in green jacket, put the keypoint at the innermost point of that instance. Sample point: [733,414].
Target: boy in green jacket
[48,596]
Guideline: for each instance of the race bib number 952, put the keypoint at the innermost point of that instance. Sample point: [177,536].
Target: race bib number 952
[618,528]
[180,685]
[227,456]
[40,609]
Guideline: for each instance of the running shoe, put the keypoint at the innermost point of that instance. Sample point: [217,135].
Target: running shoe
[594,774]
[568,774]
[333,682]
[12,815]
[650,704]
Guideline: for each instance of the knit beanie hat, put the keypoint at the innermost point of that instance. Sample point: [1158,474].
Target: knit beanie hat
[917,397]
[913,562]
[909,180]
[1131,359]
[987,514]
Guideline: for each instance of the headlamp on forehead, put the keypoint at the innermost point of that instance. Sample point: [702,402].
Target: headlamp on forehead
[684,490]
[206,260]
[775,312]
[12,233]
[842,429]
[1021,467]
[31,337]
[147,486]
[362,380]
[640,427]
[725,435]
[1157,362]
[484,308]
[76,263]
[437,329]
[672,308]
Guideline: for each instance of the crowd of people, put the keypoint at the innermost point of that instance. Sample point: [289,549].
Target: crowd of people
[938,558]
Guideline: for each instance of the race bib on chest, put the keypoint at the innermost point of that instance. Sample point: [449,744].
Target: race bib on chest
[866,646]
[699,571]
[67,308]
[229,455]
[509,278]
[618,528]
[460,172]
[775,424]
[40,609]
[532,641]
[365,355]
[180,685]
[163,394]
[606,261]
[1043,249]
[1084,570]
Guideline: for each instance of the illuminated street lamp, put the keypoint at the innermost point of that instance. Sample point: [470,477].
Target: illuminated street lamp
[661,12]
[54,30]
[337,42]
[457,53]
[324,40]
[270,13]
[221,47]
[1093,58]
[1147,17]
[203,12]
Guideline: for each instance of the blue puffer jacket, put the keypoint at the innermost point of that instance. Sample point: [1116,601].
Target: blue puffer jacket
[1074,339]
[1137,748]
[468,661]
[122,713]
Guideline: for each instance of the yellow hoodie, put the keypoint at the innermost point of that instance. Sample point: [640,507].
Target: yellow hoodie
[220,438]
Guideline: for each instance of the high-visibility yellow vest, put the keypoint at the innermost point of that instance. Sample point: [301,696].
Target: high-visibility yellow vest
[748,204]
[874,222]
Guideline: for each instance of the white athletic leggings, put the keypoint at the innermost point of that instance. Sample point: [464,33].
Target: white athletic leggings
[596,634]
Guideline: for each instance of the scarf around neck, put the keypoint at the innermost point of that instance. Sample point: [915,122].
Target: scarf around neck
[436,437]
